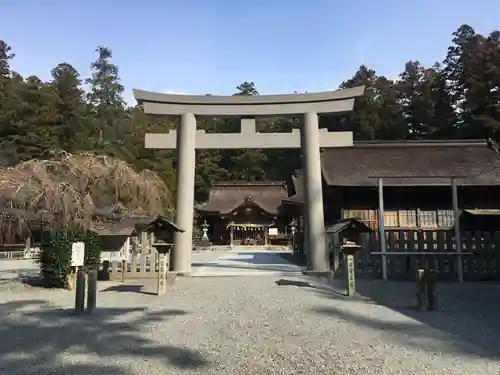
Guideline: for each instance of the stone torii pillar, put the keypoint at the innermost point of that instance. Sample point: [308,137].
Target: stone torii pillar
[310,138]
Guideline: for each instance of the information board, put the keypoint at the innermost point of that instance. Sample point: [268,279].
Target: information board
[77,254]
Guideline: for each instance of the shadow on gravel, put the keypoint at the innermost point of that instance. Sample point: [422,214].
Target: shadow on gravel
[270,267]
[297,258]
[35,338]
[466,322]
[299,284]
[128,288]
[259,258]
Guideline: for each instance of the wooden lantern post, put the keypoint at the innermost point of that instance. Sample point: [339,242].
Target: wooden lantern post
[163,231]
[347,232]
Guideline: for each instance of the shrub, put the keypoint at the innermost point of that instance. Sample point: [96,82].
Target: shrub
[55,259]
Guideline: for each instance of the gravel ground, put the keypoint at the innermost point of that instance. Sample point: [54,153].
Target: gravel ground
[14,269]
[250,325]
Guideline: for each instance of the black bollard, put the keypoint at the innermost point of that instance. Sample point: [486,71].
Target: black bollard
[420,279]
[92,291]
[431,290]
[80,291]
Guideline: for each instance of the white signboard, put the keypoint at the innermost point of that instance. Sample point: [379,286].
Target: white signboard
[77,254]
[273,231]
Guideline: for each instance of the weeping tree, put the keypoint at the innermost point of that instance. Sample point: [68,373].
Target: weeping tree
[68,193]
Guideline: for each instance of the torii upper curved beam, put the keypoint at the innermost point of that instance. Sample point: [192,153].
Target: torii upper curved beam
[254,106]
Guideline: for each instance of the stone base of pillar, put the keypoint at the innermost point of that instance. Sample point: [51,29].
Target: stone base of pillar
[321,276]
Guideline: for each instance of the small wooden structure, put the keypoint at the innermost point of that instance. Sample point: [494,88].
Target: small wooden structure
[118,239]
[21,232]
[341,233]
[153,259]
[162,231]
[480,220]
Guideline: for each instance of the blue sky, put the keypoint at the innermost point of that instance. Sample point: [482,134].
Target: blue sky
[210,46]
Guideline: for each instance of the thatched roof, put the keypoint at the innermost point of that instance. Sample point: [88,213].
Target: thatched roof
[127,226]
[226,197]
[471,162]
[421,163]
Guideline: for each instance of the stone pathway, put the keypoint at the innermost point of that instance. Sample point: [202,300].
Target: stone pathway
[243,262]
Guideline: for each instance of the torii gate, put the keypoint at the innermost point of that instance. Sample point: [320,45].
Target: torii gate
[310,138]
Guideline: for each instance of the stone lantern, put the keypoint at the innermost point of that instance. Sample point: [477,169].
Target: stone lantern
[204,228]
[293,229]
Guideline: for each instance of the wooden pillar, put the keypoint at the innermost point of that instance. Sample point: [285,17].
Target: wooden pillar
[80,291]
[458,234]
[144,241]
[381,225]
[92,291]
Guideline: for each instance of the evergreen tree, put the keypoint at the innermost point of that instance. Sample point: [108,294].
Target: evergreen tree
[108,105]
[458,98]
[8,103]
[71,108]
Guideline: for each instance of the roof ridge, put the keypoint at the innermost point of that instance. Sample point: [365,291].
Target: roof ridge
[248,183]
[421,142]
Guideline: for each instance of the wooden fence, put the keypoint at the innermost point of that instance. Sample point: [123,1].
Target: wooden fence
[18,251]
[10,252]
[143,265]
[480,254]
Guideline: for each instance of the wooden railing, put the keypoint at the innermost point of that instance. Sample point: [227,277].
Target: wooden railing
[18,251]
[408,250]
[143,265]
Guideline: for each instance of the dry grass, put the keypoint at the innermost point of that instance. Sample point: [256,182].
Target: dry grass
[69,189]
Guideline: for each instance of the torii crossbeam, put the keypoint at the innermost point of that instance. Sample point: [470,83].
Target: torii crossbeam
[310,138]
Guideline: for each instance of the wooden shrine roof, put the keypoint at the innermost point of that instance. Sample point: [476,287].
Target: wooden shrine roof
[406,163]
[420,163]
[227,196]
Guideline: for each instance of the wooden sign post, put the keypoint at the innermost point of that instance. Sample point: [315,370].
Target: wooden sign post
[426,289]
[349,250]
[162,273]
[351,276]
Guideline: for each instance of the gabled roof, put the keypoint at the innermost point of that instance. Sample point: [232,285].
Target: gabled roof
[227,196]
[127,226]
[353,223]
[161,223]
[471,162]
